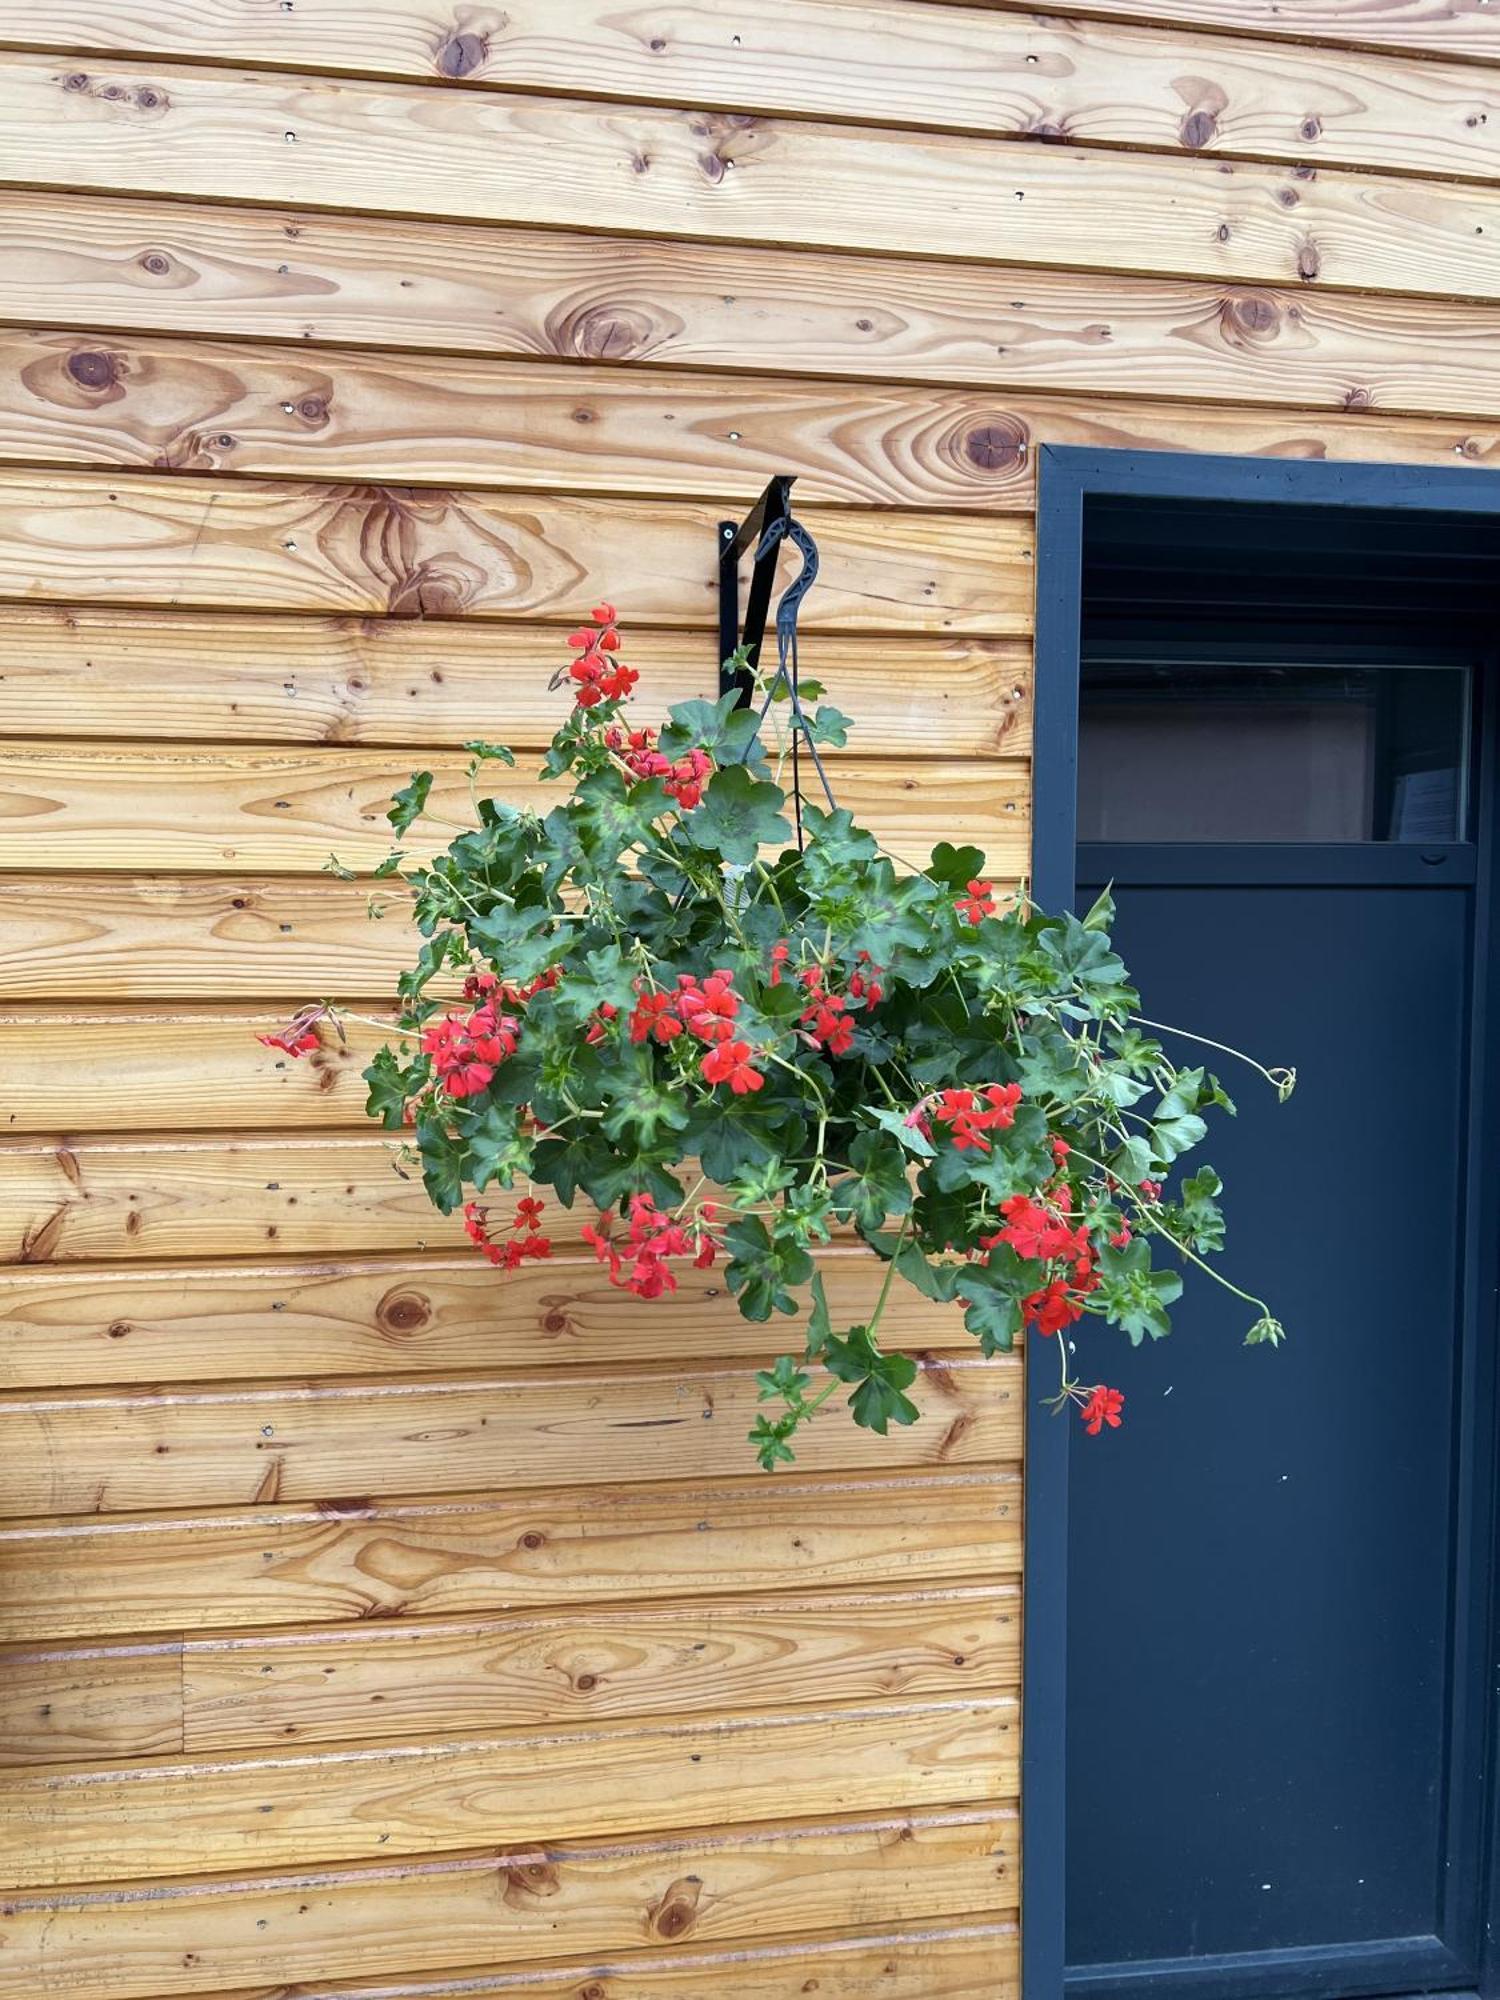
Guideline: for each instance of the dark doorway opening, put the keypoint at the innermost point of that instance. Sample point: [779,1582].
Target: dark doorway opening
[1275,1741]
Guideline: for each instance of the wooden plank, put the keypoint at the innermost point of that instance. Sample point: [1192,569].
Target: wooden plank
[932,67]
[221,678]
[120,1324]
[1424,27]
[418,552]
[82,1452]
[693,1891]
[190,1068]
[184,1196]
[181,937]
[185,937]
[87,1702]
[340,1560]
[153,266]
[957,1961]
[168,808]
[452,1678]
[153,404]
[469,155]
[70,1824]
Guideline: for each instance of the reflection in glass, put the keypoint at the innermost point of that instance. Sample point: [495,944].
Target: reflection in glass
[1300,753]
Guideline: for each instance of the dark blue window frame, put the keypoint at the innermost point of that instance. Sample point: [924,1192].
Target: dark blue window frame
[1068,476]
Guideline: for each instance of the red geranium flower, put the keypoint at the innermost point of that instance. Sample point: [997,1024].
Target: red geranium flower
[977,903]
[1103,1407]
[730,1062]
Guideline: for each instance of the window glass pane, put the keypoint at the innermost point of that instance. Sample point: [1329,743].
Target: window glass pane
[1211,753]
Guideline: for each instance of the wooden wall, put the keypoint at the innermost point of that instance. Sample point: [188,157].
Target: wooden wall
[366,1617]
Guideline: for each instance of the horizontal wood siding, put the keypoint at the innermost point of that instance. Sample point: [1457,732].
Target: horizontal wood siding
[368,1622]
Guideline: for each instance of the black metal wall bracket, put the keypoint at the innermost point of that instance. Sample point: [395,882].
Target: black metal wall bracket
[766,526]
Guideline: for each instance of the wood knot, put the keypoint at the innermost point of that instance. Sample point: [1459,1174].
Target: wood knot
[1199,129]
[677,1912]
[91,368]
[532,1540]
[1288,197]
[712,165]
[1358,399]
[118,1329]
[1309,262]
[461,55]
[1310,129]
[312,411]
[1249,316]
[1000,445]
[403,1312]
[605,333]
[586,1683]
[156,263]
[593,1991]
[528,1881]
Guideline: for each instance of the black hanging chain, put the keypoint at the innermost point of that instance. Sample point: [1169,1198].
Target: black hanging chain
[771,518]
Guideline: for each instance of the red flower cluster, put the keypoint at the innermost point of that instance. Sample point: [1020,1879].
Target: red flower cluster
[683,781]
[1044,1234]
[599,675]
[708,1010]
[467,1049]
[528,1242]
[1103,1407]
[825,1021]
[864,980]
[977,902]
[638,1261]
[968,1114]
[654,1018]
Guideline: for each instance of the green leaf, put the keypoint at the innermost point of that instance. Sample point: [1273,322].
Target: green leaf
[956,867]
[829,725]
[490,752]
[993,1309]
[410,801]
[738,816]
[442,1165]
[497,1149]
[761,1272]
[895,1122]
[880,1380]
[388,1083]
[726,731]
[1134,1296]
[1197,1219]
[877,1186]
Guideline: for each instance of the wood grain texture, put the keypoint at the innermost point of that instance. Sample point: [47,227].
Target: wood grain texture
[454,1677]
[930,66]
[153,404]
[190,1068]
[558,162]
[223,678]
[157,809]
[131,1325]
[183,937]
[82,1452]
[158,1816]
[955,1961]
[140,266]
[1425,27]
[198,938]
[86,399]
[415,552]
[576,1545]
[693,1892]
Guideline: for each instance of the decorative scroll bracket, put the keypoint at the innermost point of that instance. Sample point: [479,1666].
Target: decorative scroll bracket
[765,526]
[768,524]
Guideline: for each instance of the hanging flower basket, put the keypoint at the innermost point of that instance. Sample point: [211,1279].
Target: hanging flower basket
[737,1035]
